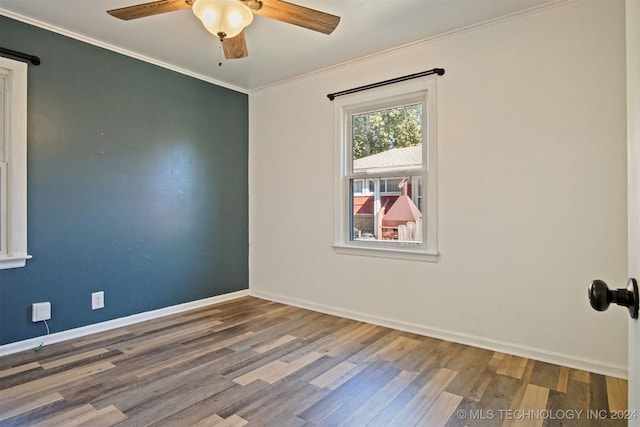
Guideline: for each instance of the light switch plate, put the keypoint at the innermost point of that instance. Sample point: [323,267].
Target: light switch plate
[97,300]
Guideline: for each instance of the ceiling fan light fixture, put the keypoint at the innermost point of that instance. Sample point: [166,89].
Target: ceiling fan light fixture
[223,18]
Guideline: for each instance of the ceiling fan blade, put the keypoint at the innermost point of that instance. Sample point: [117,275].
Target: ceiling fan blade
[235,47]
[298,15]
[148,9]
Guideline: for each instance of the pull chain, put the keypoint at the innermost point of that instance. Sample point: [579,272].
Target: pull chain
[220,53]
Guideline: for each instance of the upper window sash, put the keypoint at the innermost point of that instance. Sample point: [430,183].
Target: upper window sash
[419,97]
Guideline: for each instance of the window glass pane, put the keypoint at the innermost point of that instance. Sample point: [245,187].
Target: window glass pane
[390,217]
[387,138]
[382,141]
[372,186]
[357,186]
[391,185]
[362,214]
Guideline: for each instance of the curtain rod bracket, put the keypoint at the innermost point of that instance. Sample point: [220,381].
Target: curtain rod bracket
[438,71]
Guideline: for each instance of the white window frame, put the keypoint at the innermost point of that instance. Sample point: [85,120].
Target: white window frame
[365,188]
[386,179]
[421,91]
[13,156]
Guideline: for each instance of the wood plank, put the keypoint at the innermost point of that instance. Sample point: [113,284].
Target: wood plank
[277,369]
[27,405]
[563,379]
[598,392]
[397,349]
[66,418]
[480,386]
[472,378]
[50,383]
[83,415]
[616,394]
[262,348]
[209,421]
[377,381]
[575,399]
[74,358]
[512,366]
[520,393]
[18,369]
[419,404]
[528,413]
[441,410]
[551,376]
[278,408]
[579,375]
[326,406]
[105,417]
[232,421]
[330,378]
[370,409]
[185,357]
[498,395]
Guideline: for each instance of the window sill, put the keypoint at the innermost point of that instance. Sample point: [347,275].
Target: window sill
[386,253]
[14,261]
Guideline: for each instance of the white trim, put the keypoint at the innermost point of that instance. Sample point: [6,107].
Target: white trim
[3,205]
[117,49]
[16,159]
[360,248]
[117,323]
[421,91]
[617,371]
[14,261]
[632,30]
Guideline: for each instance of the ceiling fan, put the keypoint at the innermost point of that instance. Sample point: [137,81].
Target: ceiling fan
[227,19]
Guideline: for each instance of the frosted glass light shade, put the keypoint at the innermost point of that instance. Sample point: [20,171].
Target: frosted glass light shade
[223,18]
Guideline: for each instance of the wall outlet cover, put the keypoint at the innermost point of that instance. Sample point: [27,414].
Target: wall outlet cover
[40,311]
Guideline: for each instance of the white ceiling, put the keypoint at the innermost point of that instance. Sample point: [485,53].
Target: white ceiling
[277,51]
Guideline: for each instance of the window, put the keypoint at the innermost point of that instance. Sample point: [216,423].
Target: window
[386,198]
[13,164]
[363,187]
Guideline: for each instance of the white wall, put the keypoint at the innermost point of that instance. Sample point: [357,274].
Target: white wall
[531,190]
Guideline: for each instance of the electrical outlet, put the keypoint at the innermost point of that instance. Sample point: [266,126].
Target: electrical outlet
[97,300]
[40,311]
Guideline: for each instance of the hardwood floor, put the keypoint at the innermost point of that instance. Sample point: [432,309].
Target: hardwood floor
[258,363]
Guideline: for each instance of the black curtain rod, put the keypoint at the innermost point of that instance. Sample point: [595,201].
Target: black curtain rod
[31,58]
[438,71]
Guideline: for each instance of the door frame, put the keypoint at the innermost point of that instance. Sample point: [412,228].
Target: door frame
[632,29]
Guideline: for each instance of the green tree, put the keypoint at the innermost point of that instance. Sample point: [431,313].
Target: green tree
[382,130]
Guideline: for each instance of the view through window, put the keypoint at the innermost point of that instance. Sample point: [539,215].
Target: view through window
[386,174]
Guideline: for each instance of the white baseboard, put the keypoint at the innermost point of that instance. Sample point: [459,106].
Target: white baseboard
[116,323]
[462,338]
[481,342]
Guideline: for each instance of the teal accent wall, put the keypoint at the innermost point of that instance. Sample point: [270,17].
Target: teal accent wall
[137,186]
